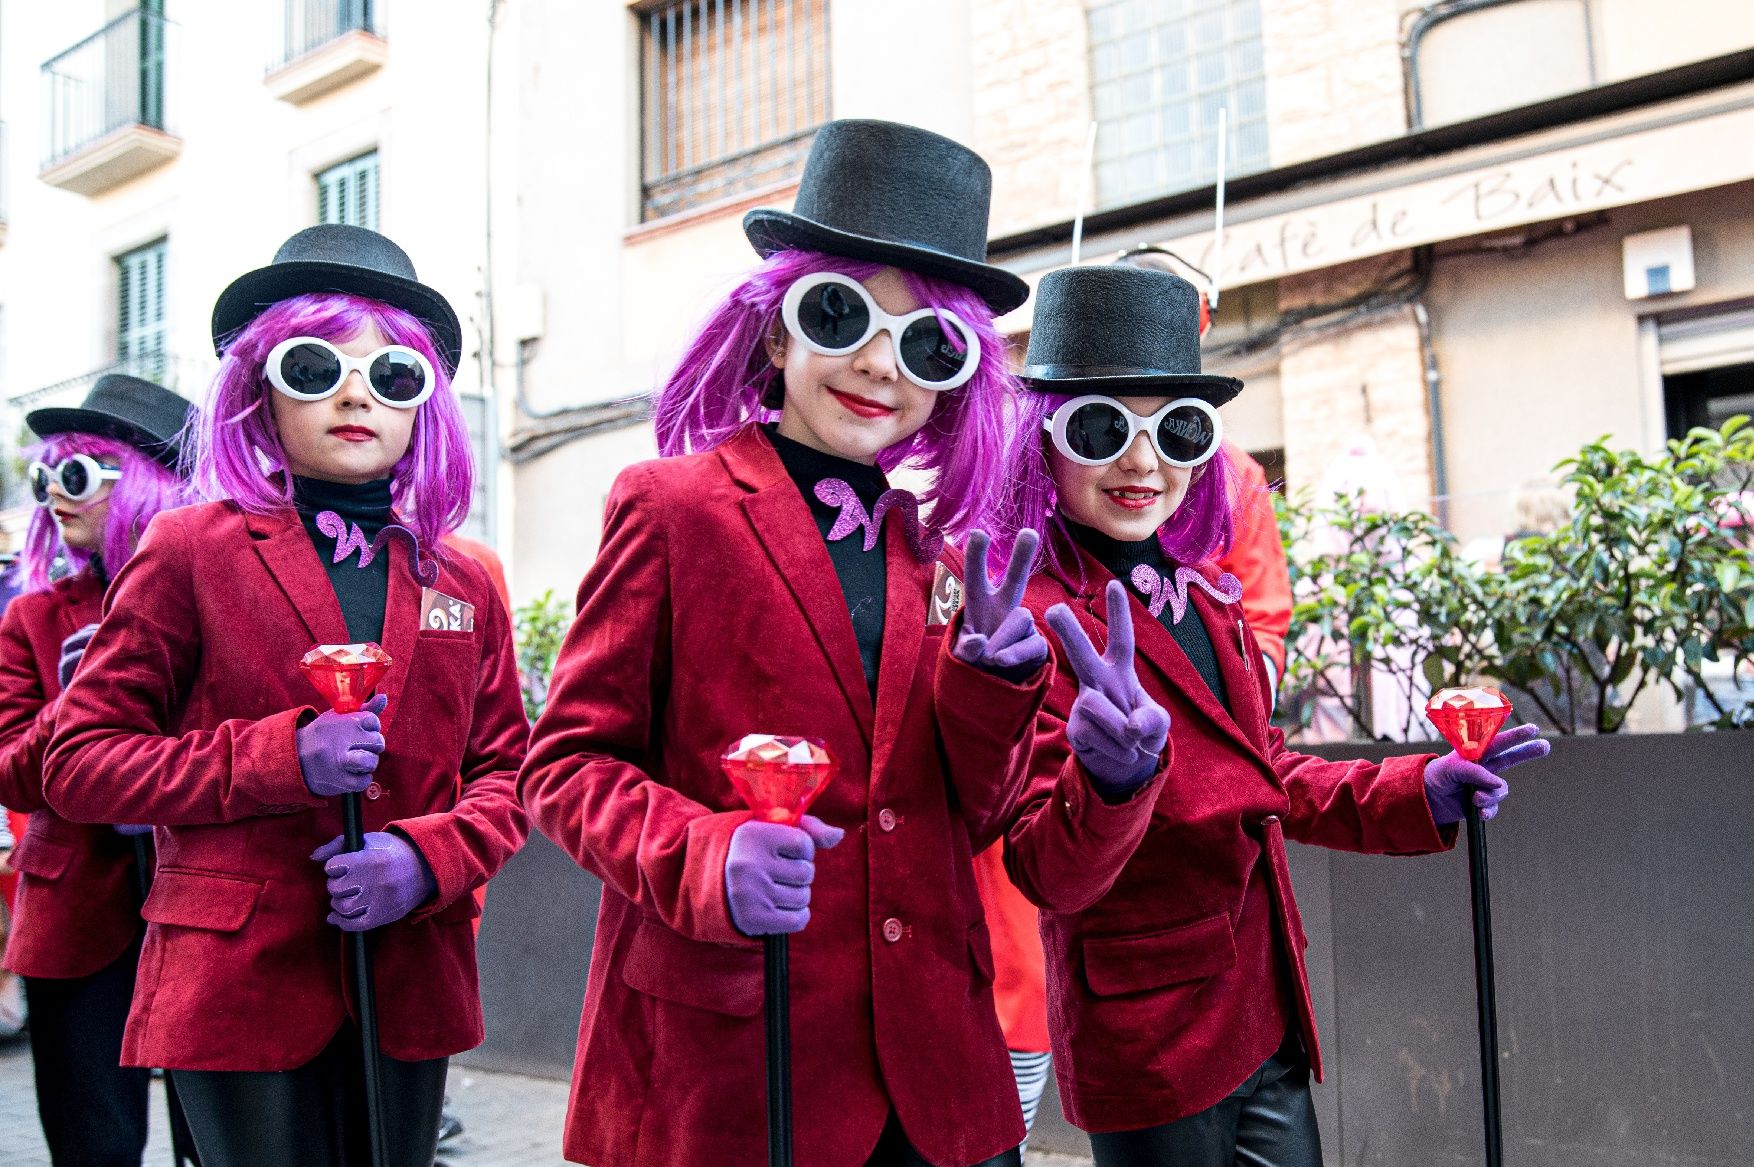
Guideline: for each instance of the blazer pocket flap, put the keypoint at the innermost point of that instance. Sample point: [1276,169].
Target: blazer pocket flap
[716,977]
[42,858]
[200,899]
[1115,965]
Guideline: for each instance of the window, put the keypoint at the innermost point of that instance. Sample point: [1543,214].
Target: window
[348,193]
[140,302]
[1160,70]
[732,92]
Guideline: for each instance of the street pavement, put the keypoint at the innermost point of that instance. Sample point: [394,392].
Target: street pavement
[508,1120]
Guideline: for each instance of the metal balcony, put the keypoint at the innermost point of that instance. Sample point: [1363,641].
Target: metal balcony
[324,44]
[107,105]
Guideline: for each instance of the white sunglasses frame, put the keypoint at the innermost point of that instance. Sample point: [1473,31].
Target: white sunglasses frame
[881,321]
[349,366]
[97,472]
[1055,424]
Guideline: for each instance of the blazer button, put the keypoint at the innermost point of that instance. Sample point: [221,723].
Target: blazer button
[892,929]
[1269,820]
[886,819]
[374,791]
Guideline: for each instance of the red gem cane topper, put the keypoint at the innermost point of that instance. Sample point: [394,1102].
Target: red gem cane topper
[1468,718]
[778,777]
[346,674]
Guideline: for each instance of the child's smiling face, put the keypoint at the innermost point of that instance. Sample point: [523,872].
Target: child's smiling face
[1129,498]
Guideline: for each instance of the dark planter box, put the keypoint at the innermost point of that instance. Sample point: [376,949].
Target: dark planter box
[1624,925]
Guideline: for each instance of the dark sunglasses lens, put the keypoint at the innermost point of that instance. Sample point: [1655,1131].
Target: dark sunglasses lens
[310,370]
[1185,434]
[75,482]
[932,351]
[1097,431]
[833,316]
[398,376]
[39,484]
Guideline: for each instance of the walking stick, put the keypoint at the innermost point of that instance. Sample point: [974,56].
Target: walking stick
[346,674]
[776,981]
[1469,720]
[778,778]
[143,865]
[1485,993]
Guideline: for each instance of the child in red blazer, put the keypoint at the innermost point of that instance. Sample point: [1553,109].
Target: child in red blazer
[99,475]
[764,577]
[336,458]
[1152,835]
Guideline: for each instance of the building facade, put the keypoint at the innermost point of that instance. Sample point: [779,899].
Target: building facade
[1470,235]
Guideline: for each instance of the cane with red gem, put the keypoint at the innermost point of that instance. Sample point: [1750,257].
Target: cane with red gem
[346,674]
[1469,720]
[778,778]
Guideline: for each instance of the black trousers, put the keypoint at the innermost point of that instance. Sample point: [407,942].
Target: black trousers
[93,1108]
[1268,1121]
[893,1150]
[314,1116]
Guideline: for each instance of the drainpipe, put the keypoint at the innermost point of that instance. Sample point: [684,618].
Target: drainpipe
[1422,262]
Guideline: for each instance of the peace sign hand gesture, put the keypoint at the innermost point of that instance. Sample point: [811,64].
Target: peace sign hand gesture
[998,634]
[1117,731]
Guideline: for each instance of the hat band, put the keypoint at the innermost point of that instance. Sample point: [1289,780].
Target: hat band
[1084,372]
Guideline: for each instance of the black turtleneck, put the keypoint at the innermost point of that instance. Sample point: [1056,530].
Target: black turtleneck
[1190,633]
[863,574]
[362,591]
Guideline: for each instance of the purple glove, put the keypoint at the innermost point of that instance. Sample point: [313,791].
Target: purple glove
[374,886]
[768,871]
[337,752]
[72,649]
[129,830]
[1117,731]
[998,635]
[1449,779]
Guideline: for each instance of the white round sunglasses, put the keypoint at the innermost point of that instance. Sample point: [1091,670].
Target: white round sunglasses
[1095,430]
[834,315]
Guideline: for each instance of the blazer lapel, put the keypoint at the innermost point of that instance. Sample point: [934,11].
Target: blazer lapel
[286,551]
[786,530]
[1240,668]
[401,626]
[907,584]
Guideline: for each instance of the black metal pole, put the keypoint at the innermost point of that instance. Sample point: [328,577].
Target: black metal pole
[777,982]
[143,868]
[365,993]
[1484,989]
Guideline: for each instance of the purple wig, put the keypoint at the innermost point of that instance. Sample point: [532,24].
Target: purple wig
[720,384]
[1201,529]
[145,488]
[234,451]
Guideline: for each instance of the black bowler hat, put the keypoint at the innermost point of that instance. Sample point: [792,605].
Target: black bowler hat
[1121,332]
[334,257]
[896,195]
[141,413]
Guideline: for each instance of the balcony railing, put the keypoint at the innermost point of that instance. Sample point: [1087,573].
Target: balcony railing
[308,25]
[111,81]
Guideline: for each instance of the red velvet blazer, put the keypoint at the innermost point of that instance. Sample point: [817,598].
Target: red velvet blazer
[713,611]
[1173,943]
[183,715]
[77,908]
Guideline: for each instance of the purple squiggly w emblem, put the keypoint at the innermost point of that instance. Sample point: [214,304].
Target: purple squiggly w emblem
[349,538]
[837,492]
[1160,589]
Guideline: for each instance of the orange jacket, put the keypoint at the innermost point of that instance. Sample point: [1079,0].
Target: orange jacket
[1258,559]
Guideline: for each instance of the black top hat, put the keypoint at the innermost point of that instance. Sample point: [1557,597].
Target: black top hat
[141,413]
[334,257]
[898,195]
[1122,332]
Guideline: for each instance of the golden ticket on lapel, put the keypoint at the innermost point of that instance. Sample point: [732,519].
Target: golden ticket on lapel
[442,613]
[946,597]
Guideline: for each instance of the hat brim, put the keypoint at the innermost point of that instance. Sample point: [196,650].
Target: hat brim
[1208,387]
[770,231]
[46,423]
[248,296]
